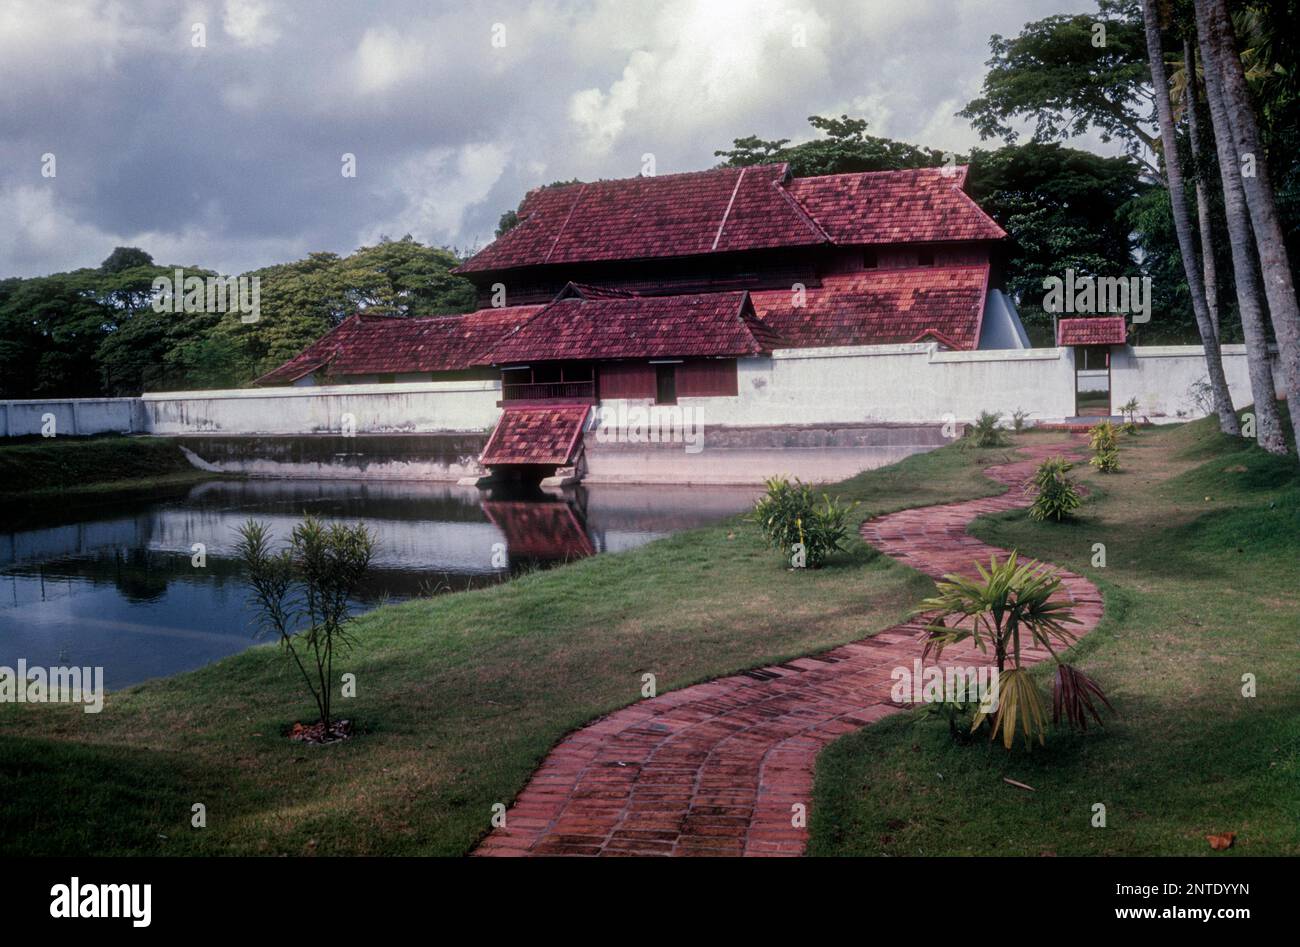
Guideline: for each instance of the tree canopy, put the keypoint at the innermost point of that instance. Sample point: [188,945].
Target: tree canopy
[94,332]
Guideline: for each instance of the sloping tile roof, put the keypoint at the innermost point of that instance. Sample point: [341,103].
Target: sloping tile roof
[535,434]
[669,215]
[882,307]
[733,209]
[1093,330]
[575,327]
[882,207]
[371,345]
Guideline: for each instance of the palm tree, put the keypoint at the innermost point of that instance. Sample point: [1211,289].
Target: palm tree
[1250,301]
[1219,52]
[1208,268]
[1012,607]
[1183,224]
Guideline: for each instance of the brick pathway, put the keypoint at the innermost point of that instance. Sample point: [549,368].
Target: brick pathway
[716,768]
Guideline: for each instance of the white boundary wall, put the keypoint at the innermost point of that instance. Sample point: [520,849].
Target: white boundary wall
[893,383]
[1161,377]
[72,416]
[850,385]
[403,408]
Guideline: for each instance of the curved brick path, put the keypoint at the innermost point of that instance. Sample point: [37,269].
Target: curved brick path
[714,769]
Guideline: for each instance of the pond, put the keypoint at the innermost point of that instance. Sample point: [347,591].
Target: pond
[116,587]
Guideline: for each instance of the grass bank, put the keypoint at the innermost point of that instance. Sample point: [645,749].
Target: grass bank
[458,697]
[1201,586]
[40,468]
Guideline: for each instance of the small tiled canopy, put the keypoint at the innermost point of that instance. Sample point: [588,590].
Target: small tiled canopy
[1093,330]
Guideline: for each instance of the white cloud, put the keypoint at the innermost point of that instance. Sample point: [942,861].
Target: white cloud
[435,189]
[247,23]
[384,59]
[701,64]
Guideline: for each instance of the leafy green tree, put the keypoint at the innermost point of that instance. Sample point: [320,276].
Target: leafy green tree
[1068,79]
[126,258]
[843,148]
[404,278]
[1061,208]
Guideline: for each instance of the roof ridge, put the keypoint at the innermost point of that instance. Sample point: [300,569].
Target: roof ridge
[727,213]
[802,211]
[567,217]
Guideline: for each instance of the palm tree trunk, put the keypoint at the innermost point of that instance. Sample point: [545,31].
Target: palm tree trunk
[1209,270]
[1268,425]
[1183,224]
[1222,58]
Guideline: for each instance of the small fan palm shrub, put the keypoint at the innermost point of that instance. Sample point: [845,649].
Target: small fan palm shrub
[1103,439]
[795,522]
[1010,606]
[986,431]
[1056,496]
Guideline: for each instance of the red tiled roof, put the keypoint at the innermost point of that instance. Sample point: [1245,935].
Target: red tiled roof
[651,217]
[602,327]
[881,307]
[733,209]
[1093,330]
[881,207]
[535,434]
[371,345]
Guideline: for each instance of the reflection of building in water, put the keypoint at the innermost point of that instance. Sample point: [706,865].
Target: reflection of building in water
[539,531]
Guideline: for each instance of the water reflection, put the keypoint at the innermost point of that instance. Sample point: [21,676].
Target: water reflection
[117,587]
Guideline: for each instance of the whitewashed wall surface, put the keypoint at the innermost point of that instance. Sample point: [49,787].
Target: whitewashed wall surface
[868,384]
[403,408]
[70,417]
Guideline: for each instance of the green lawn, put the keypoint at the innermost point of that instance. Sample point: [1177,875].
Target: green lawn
[1202,586]
[459,697]
[92,467]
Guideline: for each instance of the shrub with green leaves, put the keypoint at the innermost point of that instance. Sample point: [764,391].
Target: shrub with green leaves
[986,431]
[794,522]
[1129,409]
[303,595]
[1106,461]
[1056,497]
[1103,439]
[1012,601]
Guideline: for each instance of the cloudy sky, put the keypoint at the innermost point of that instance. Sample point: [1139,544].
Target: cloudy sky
[213,132]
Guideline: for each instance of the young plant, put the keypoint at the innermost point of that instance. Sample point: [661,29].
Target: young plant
[986,431]
[303,594]
[1009,602]
[1129,409]
[795,523]
[1056,495]
[1106,461]
[1102,438]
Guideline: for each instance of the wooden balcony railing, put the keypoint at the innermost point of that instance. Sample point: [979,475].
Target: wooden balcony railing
[549,391]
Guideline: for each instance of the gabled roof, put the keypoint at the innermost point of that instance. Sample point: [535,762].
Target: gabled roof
[576,326]
[671,215]
[1093,330]
[882,307]
[381,345]
[926,205]
[734,209]
[535,434]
